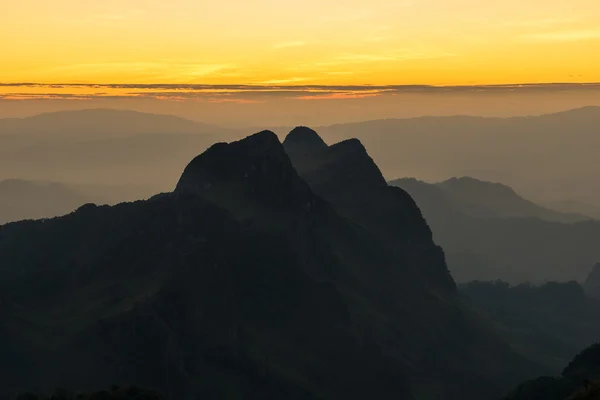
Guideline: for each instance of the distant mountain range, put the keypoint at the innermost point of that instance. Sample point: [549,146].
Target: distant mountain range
[22,199]
[263,275]
[550,159]
[547,158]
[103,147]
[481,199]
[101,123]
[30,200]
[488,232]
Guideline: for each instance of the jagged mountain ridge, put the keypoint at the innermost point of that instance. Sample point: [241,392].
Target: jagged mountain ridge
[242,275]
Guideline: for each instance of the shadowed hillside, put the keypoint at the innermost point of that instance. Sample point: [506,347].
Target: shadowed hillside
[551,322]
[580,380]
[486,241]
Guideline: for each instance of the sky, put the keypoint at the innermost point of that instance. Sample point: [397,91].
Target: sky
[328,42]
[242,62]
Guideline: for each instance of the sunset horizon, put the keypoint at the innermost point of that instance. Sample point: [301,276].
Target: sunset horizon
[264,43]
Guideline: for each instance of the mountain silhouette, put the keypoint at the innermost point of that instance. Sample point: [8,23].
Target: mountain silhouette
[245,283]
[549,158]
[347,176]
[489,233]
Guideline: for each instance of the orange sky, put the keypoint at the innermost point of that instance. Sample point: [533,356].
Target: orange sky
[382,42]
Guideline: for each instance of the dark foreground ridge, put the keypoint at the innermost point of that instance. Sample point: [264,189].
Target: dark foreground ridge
[249,281]
[580,380]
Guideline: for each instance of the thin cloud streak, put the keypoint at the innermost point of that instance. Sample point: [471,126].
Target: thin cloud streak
[250,93]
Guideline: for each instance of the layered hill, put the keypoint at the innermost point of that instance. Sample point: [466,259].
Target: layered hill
[103,147]
[99,122]
[547,158]
[550,322]
[246,282]
[483,199]
[20,199]
[489,233]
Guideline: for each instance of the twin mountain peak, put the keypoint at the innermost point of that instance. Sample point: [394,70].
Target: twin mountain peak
[259,174]
[294,258]
[277,172]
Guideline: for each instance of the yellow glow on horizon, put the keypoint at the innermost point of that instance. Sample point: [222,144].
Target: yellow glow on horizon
[435,42]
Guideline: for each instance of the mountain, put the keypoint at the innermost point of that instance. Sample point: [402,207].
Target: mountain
[244,283]
[100,123]
[347,176]
[516,248]
[20,199]
[550,322]
[578,381]
[103,147]
[548,158]
[23,199]
[572,206]
[494,200]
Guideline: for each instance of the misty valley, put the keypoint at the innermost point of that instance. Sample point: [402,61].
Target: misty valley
[148,256]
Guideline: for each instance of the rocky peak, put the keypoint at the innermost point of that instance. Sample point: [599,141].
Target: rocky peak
[345,163]
[252,172]
[303,140]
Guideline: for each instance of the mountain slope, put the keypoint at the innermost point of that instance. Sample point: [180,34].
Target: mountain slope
[494,200]
[512,249]
[578,381]
[550,322]
[345,175]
